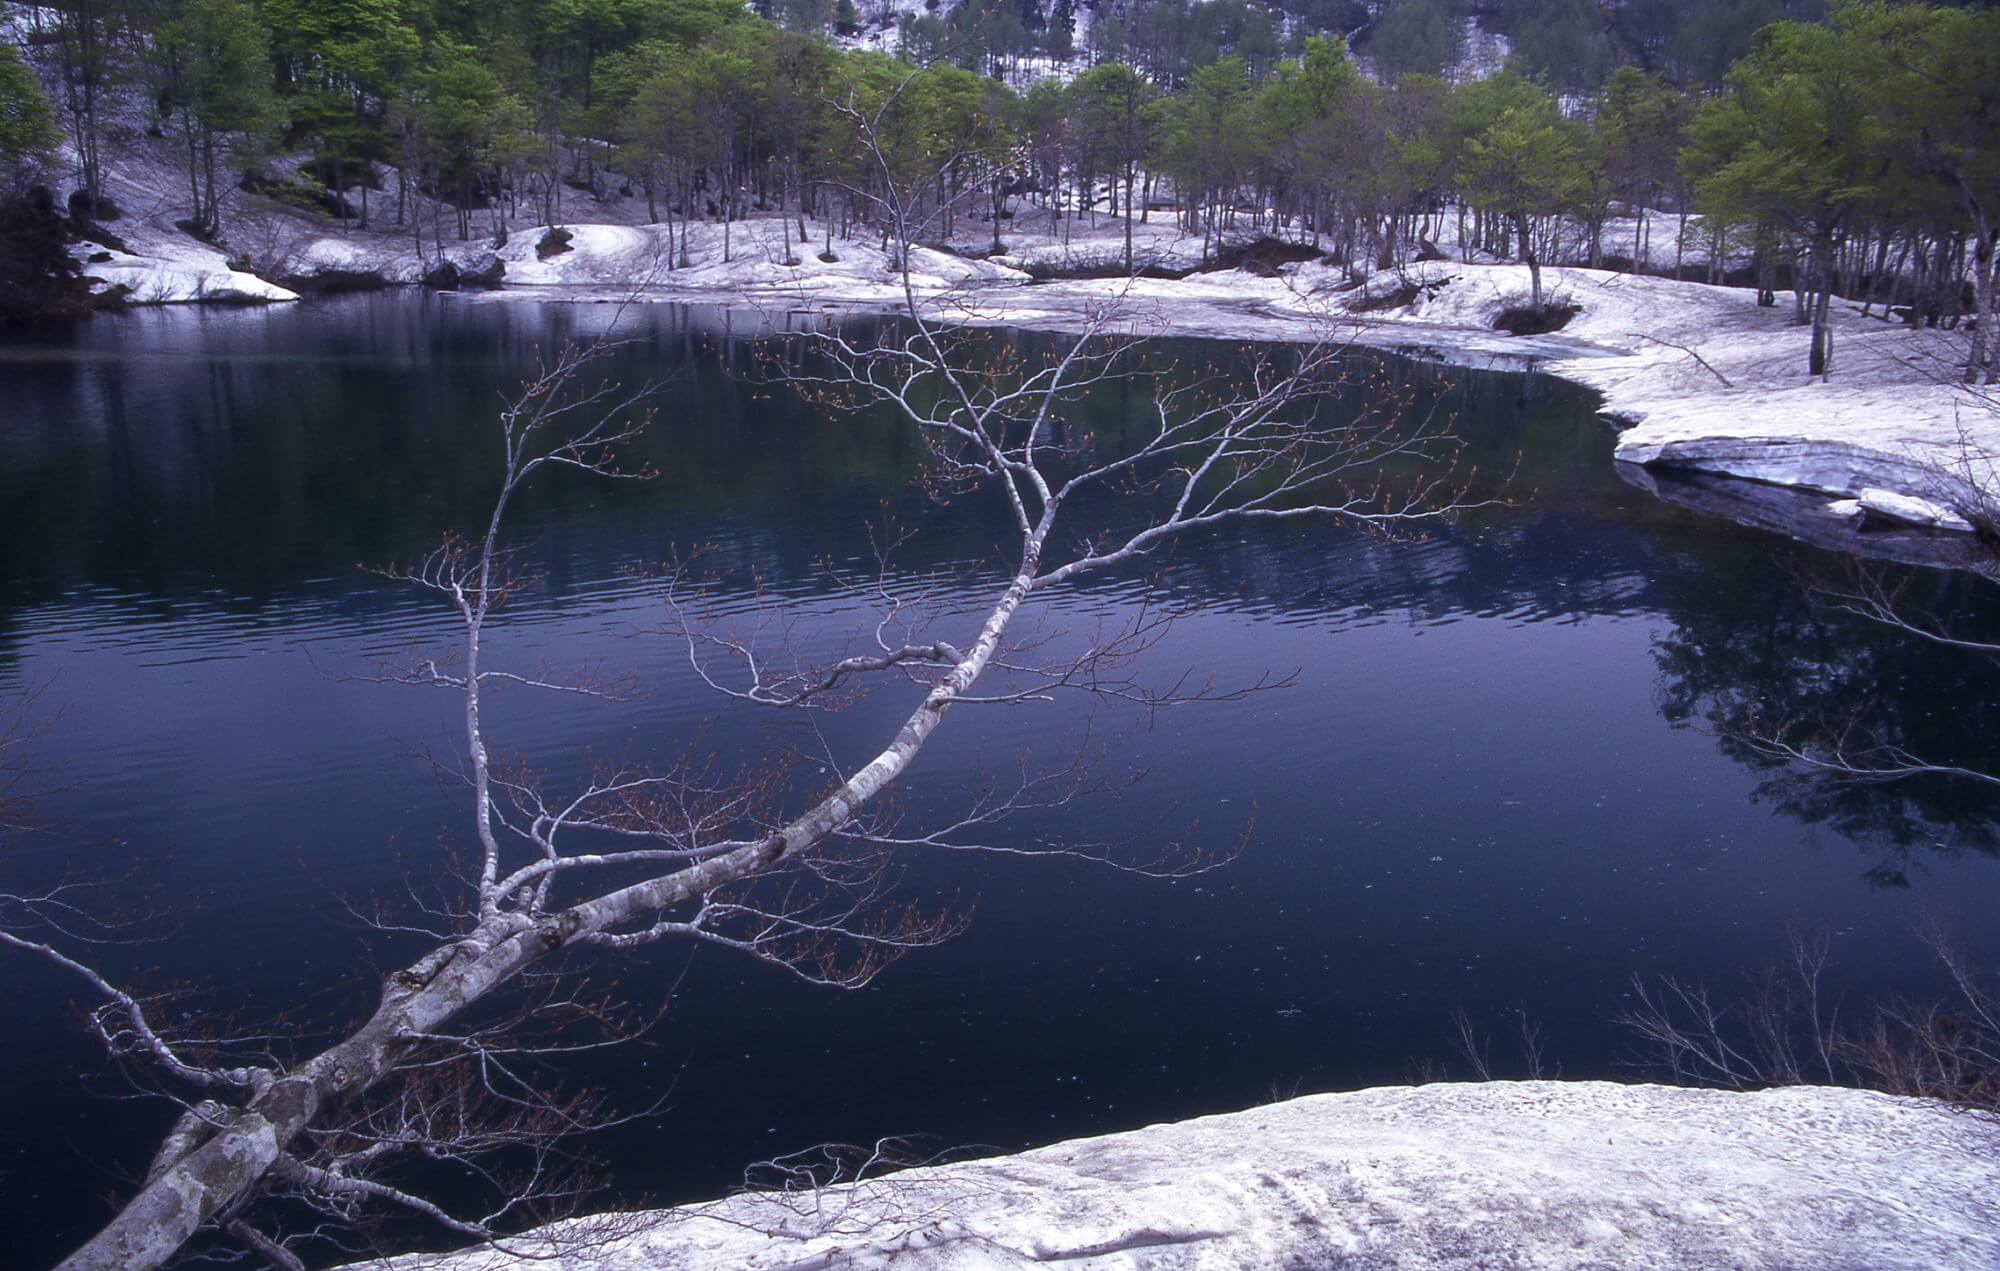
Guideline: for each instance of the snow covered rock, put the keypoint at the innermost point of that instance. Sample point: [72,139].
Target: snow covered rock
[190,274]
[1912,510]
[1506,1174]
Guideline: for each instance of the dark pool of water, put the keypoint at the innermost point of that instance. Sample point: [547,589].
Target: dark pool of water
[1482,792]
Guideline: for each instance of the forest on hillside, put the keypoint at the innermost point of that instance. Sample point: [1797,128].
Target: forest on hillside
[1854,151]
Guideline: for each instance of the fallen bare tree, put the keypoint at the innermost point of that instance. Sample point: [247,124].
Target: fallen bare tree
[276,1141]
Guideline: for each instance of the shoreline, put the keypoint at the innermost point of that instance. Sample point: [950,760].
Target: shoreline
[1697,378]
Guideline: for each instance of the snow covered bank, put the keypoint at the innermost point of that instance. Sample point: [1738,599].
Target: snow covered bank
[174,273]
[1702,376]
[1504,1174]
[1705,378]
[766,260]
[1708,380]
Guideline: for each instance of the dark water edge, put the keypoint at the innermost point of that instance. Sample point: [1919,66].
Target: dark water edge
[1493,786]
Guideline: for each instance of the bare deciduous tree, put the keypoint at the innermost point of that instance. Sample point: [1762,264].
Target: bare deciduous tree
[770,859]
[1784,1029]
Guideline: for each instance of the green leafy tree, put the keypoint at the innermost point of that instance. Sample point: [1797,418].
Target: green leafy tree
[1424,142]
[1206,143]
[1637,126]
[1564,44]
[667,134]
[724,71]
[216,79]
[1796,145]
[1523,161]
[1317,118]
[467,120]
[338,62]
[935,130]
[1047,138]
[1938,104]
[1418,37]
[28,132]
[794,71]
[91,62]
[37,274]
[1115,116]
[1060,38]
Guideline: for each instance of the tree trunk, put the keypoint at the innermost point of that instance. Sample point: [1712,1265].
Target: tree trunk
[1985,350]
[1820,358]
[1529,259]
[1130,173]
[193,1190]
[1985,340]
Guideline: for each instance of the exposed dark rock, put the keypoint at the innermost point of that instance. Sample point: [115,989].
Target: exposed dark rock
[442,276]
[1529,320]
[83,208]
[303,191]
[1805,516]
[326,282]
[91,233]
[342,175]
[38,278]
[1051,271]
[1262,256]
[553,243]
[1401,296]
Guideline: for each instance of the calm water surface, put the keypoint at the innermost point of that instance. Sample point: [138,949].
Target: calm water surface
[1483,791]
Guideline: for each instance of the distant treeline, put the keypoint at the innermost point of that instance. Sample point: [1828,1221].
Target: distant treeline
[1834,152]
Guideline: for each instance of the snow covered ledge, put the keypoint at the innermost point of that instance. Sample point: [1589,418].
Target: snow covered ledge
[1516,1174]
[1705,378]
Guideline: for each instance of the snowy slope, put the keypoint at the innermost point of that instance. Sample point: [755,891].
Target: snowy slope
[1706,379]
[169,272]
[765,259]
[1540,1175]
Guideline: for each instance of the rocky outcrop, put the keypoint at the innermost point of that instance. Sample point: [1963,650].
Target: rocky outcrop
[1505,1174]
[39,278]
[475,271]
[1877,525]
[328,282]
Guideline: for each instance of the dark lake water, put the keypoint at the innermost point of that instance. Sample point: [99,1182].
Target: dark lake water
[1483,791]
